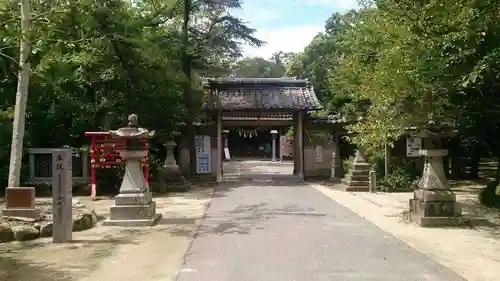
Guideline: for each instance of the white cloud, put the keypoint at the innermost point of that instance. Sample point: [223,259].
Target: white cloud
[289,39]
[292,38]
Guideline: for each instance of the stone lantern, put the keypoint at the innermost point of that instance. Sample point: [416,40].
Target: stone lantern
[274,135]
[172,177]
[433,203]
[170,161]
[134,205]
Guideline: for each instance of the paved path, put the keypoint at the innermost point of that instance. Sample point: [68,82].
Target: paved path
[283,230]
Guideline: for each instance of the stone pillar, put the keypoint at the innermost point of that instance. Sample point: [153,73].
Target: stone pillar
[281,140]
[219,146]
[300,137]
[336,171]
[134,206]
[62,184]
[274,134]
[225,135]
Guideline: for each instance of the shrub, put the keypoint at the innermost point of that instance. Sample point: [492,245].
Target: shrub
[402,176]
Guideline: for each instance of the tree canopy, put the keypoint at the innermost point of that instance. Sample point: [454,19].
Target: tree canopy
[95,62]
[399,63]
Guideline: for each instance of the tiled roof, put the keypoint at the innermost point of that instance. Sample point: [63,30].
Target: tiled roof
[262,93]
[329,119]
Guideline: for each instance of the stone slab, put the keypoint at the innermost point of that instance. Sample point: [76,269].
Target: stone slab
[133,223]
[132,212]
[357,188]
[356,177]
[355,182]
[24,212]
[459,221]
[359,172]
[133,199]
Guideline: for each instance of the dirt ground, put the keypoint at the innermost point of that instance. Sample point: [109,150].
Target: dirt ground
[112,253]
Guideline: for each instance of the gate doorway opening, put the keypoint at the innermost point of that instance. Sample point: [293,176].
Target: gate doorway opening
[248,142]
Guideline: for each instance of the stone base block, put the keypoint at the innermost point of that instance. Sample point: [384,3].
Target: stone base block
[350,182]
[133,199]
[356,188]
[435,208]
[133,222]
[132,212]
[20,202]
[357,177]
[436,221]
[20,197]
[21,212]
[434,195]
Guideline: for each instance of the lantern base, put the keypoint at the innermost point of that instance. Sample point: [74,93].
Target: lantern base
[133,215]
[435,208]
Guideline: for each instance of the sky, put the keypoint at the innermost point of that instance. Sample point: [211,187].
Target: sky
[287,25]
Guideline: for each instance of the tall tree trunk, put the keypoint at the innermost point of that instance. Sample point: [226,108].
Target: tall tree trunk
[16,152]
[189,131]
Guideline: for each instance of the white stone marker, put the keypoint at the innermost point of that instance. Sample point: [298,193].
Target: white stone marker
[274,134]
[62,216]
[372,183]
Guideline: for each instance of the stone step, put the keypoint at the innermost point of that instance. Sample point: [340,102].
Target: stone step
[361,168]
[354,182]
[356,188]
[356,177]
[360,171]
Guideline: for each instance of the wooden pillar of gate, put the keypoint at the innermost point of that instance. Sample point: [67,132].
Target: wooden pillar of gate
[219,145]
[300,144]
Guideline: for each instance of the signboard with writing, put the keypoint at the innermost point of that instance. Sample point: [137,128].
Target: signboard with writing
[227,156]
[319,154]
[413,146]
[203,154]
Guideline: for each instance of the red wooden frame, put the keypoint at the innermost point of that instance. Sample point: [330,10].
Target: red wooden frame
[105,153]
